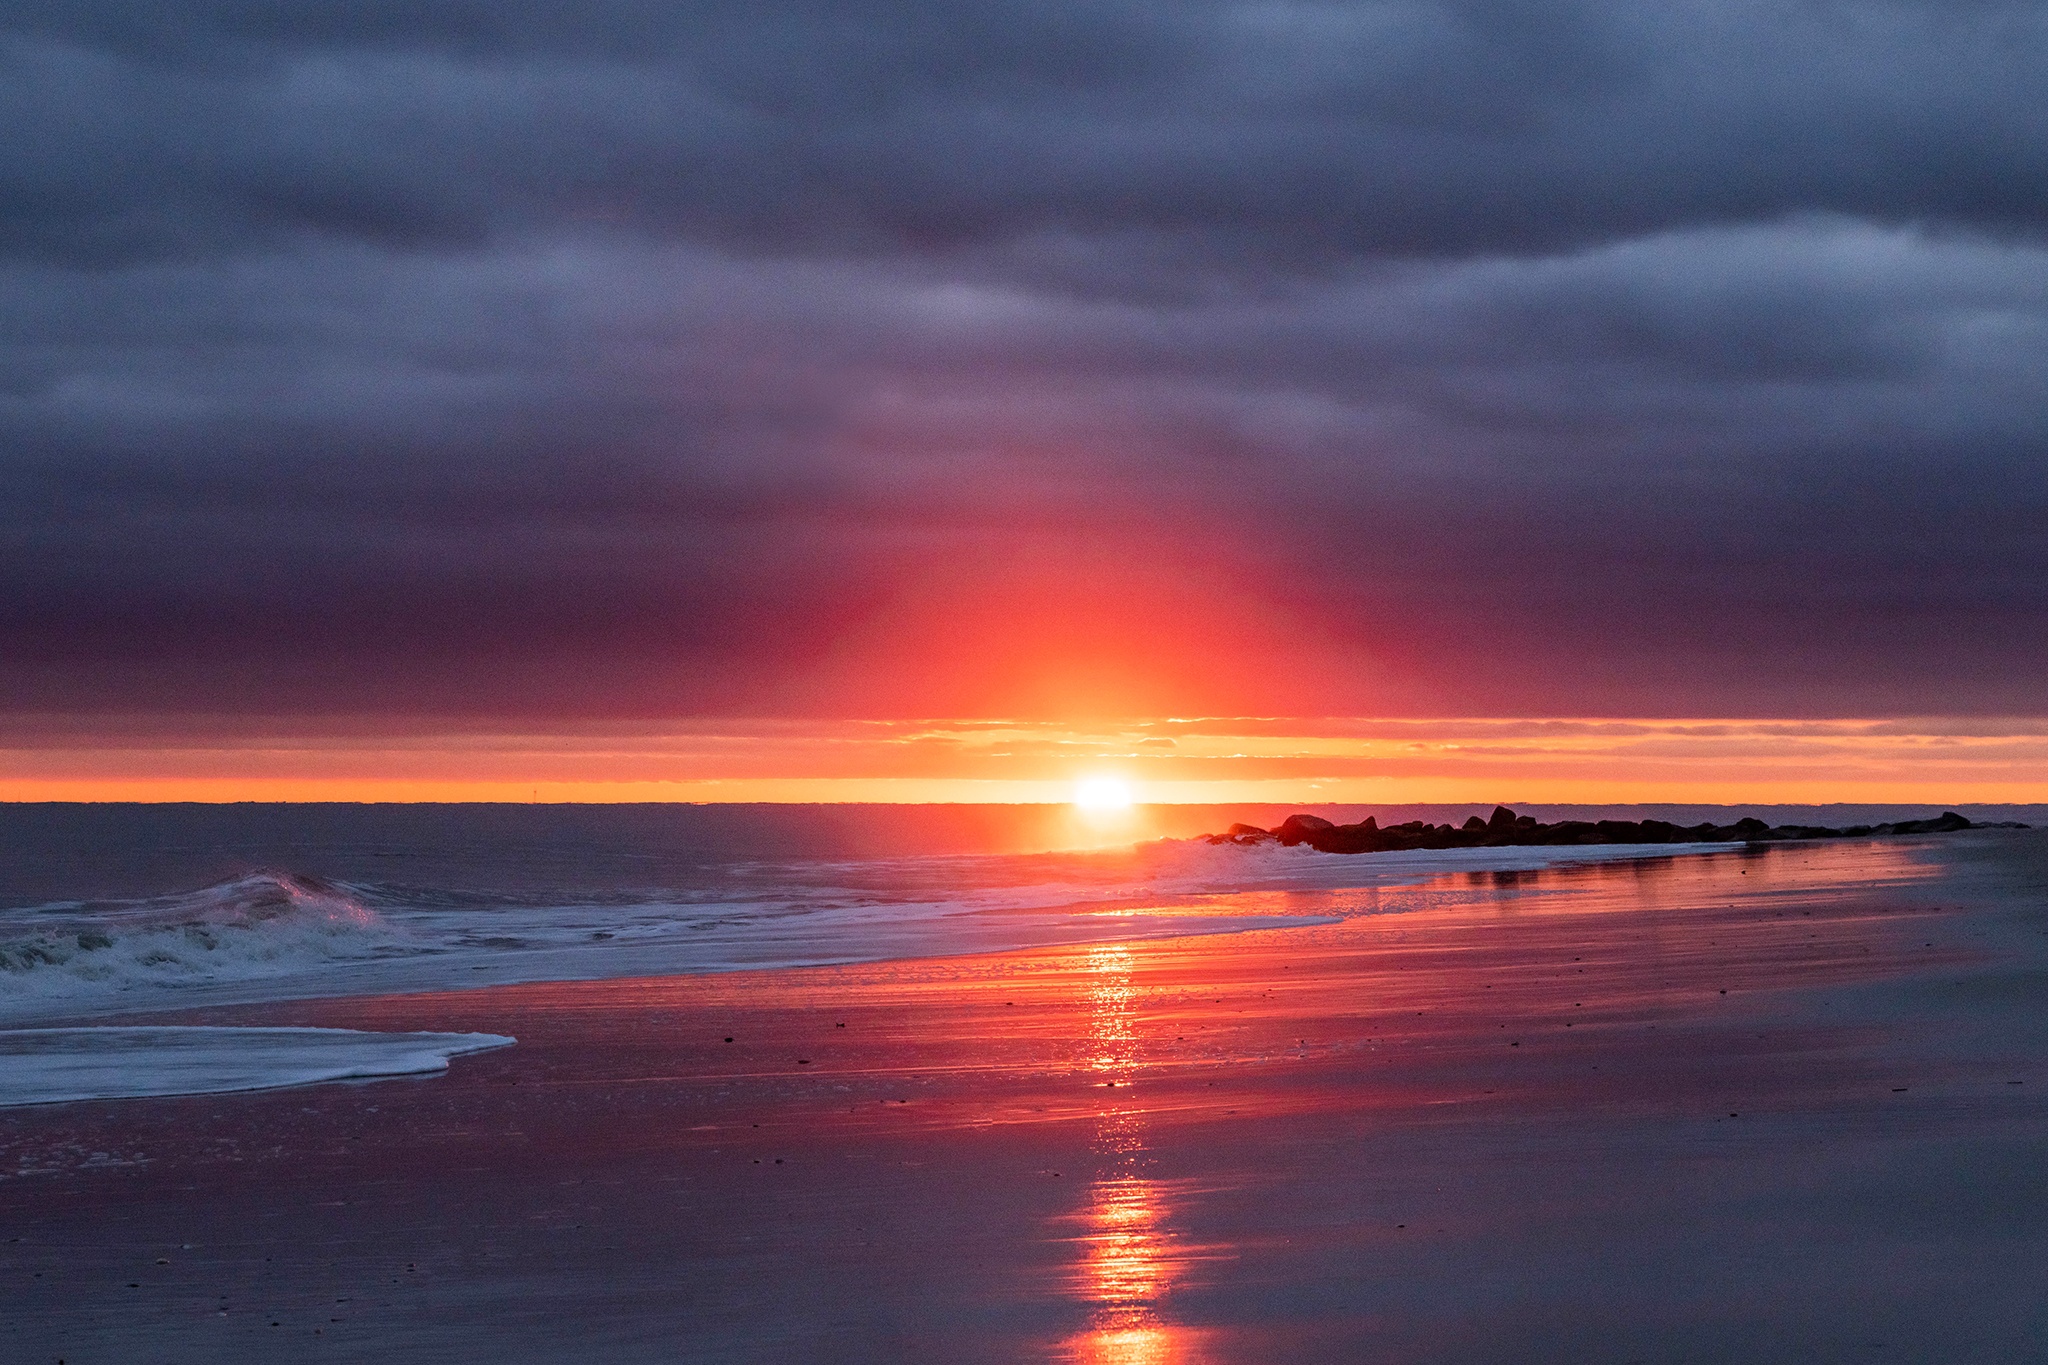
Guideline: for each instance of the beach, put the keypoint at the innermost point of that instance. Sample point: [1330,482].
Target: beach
[935,682]
[1783,1103]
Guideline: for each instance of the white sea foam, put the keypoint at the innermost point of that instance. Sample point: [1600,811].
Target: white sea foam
[280,936]
[51,1066]
[265,925]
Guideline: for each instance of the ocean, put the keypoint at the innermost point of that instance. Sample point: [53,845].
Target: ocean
[1454,1107]
[108,912]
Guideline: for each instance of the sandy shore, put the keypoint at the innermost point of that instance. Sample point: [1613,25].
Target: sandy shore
[1782,1105]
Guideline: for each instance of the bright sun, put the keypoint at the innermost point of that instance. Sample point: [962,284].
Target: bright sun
[1102,793]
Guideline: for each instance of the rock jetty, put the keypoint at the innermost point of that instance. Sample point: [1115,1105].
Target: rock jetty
[1505,827]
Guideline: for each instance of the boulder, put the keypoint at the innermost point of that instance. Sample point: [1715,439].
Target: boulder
[1297,829]
[1948,822]
[1360,838]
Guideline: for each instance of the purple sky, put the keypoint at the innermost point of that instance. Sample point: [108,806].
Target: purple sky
[625,359]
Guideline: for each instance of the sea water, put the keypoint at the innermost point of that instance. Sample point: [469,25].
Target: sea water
[109,911]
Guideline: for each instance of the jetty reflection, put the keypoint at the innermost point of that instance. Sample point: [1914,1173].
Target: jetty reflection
[1129,1259]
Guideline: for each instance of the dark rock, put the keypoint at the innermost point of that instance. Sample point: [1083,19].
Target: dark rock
[1504,827]
[1297,829]
[1240,834]
[1945,823]
[1362,838]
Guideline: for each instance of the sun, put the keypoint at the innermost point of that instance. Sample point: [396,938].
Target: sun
[1102,794]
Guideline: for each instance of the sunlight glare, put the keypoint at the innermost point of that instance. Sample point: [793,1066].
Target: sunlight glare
[1102,794]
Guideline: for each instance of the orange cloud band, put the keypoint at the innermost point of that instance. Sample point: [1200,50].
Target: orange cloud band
[1162,760]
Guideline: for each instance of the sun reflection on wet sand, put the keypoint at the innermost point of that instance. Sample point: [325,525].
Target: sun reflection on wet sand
[1109,1016]
[1128,1264]
[1130,1259]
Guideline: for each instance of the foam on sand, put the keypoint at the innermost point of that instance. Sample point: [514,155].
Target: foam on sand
[51,1066]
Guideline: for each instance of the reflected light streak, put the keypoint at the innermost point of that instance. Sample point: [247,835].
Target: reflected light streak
[1109,1020]
[1128,1260]
[1126,1269]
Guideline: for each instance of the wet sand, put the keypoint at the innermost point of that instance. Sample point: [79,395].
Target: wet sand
[1787,1104]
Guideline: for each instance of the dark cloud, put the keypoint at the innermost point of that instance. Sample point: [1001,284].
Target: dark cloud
[1288,135]
[619,357]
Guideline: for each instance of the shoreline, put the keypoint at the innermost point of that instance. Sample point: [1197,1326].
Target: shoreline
[1176,905]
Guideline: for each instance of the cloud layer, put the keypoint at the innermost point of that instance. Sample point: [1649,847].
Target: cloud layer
[910,359]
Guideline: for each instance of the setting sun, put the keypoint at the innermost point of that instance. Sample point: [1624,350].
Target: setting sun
[1102,794]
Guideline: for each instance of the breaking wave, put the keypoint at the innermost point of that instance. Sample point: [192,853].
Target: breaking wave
[259,925]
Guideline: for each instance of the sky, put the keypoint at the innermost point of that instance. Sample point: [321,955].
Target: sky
[379,377]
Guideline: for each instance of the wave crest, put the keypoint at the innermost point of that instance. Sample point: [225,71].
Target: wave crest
[258,925]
